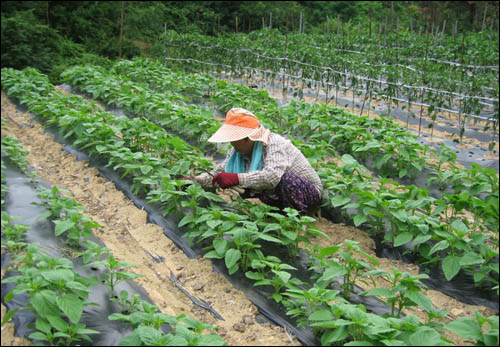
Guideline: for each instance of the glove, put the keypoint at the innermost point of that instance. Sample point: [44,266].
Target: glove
[226,180]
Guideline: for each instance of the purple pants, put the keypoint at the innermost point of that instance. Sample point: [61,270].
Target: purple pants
[293,191]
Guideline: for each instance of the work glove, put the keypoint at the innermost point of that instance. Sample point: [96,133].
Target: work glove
[226,180]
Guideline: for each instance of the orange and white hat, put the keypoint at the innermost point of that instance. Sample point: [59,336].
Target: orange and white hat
[239,124]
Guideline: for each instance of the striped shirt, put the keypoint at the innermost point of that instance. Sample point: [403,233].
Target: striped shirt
[278,157]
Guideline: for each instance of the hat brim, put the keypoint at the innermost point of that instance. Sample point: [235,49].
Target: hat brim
[230,133]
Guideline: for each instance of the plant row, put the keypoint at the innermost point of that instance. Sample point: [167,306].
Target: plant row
[58,295]
[452,88]
[239,244]
[389,149]
[413,216]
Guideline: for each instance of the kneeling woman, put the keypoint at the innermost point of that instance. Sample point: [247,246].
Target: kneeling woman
[267,165]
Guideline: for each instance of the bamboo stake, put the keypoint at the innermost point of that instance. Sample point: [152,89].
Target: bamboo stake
[425,65]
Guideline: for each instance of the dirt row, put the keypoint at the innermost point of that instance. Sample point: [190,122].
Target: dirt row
[125,231]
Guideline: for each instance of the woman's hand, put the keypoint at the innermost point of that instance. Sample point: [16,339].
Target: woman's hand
[226,180]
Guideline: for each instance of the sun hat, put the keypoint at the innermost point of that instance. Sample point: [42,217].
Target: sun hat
[239,124]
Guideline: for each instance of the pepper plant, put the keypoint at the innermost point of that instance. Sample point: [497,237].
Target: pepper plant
[405,291]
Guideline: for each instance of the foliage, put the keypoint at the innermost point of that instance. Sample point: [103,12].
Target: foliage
[25,42]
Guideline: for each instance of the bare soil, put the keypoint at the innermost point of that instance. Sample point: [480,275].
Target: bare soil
[125,231]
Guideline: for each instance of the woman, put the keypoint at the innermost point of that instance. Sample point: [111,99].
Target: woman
[265,164]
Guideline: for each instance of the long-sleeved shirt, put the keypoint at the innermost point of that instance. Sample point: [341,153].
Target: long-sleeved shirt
[278,156]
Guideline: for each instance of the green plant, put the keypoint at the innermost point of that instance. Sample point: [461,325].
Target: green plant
[293,229]
[405,290]
[185,331]
[342,260]
[56,294]
[114,273]
[482,331]
[304,302]
[278,277]
[14,234]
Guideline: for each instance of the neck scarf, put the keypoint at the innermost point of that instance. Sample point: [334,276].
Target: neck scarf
[236,163]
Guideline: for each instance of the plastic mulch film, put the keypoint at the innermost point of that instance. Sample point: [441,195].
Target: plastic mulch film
[19,204]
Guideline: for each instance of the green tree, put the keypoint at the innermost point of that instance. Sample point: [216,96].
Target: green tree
[26,42]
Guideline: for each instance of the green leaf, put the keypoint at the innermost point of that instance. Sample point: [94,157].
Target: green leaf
[358,343]
[290,234]
[471,258]
[347,159]
[451,266]
[44,303]
[211,340]
[269,238]
[359,219]
[10,314]
[340,200]
[213,223]
[402,239]
[57,322]
[421,239]
[459,227]
[58,275]
[72,306]
[333,270]
[62,226]
[439,246]
[42,325]
[270,227]
[232,257]
[391,343]
[425,336]
[213,255]
[378,292]
[38,336]
[221,246]
[326,251]
[466,327]
[334,335]
[284,276]
[419,299]
[254,275]
[186,220]
[401,215]
[146,168]
[322,315]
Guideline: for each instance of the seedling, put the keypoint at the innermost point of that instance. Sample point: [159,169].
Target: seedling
[405,291]
[114,273]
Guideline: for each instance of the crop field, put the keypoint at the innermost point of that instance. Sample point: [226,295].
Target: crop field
[104,244]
